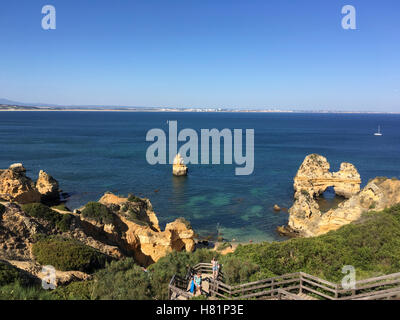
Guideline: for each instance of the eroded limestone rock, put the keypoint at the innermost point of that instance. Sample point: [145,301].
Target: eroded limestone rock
[136,230]
[179,168]
[16,186]
[314,177]
[48,187]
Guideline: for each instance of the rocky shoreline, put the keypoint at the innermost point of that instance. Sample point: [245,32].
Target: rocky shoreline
[130,230]
[314,177]
[119,227]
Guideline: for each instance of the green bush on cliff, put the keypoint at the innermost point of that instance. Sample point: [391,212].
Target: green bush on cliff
[8,274]
[15,284]
[133,198]
[61,207]
[64,224]
[134,217]
[17,291]
[98,212]
[79,290]
[66,255]
[122,280]
[237,271]
[371,245]
[41,211]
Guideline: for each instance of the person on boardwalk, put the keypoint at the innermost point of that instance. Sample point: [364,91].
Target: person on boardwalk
[197,283]
[215,268]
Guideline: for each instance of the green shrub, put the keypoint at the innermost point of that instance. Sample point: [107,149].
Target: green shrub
[122,280]
[133,198]
[65,255]
[62,207]
[40,211]
[79,290]
[16,291]
[64,224]
[8,274]
[98,212]
[135,218]
[237,271]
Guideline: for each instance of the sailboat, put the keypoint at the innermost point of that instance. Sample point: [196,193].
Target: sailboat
[379,132]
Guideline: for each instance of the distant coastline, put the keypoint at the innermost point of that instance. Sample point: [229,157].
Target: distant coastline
[5,107]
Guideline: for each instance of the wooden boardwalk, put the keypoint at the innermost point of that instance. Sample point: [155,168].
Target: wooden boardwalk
[294,286]
[205,288]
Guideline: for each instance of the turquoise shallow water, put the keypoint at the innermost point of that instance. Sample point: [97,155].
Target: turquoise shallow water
[93,152]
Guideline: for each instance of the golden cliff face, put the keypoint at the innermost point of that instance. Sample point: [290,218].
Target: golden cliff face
[47,186]
[313,178]
[16,186]
[142,235]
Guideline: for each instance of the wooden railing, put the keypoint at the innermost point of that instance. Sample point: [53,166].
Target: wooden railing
[267,288]
[206,268]
[289,286]
[178,286]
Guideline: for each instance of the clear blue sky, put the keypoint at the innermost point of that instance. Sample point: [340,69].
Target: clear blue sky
[203,53]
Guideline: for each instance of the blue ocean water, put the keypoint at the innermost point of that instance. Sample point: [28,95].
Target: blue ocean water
[90,153]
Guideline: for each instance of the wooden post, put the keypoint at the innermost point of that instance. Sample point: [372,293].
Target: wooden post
[336,292]
[272,288]
[301,283]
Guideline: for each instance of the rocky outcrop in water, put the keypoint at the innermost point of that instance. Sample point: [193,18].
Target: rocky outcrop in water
[314,177]
[179,168]
[48,187]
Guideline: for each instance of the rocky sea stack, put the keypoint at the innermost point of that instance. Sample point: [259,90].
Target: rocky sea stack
[314,178]
[179,168]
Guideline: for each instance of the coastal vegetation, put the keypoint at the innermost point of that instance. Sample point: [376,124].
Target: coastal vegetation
[17,285]
[9,274]
[55,219]
[224,245]
[61,207]
[121,252]
[371,245]
[65,254]
[98,212]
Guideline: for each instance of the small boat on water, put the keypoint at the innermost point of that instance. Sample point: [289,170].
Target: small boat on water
[379,132]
